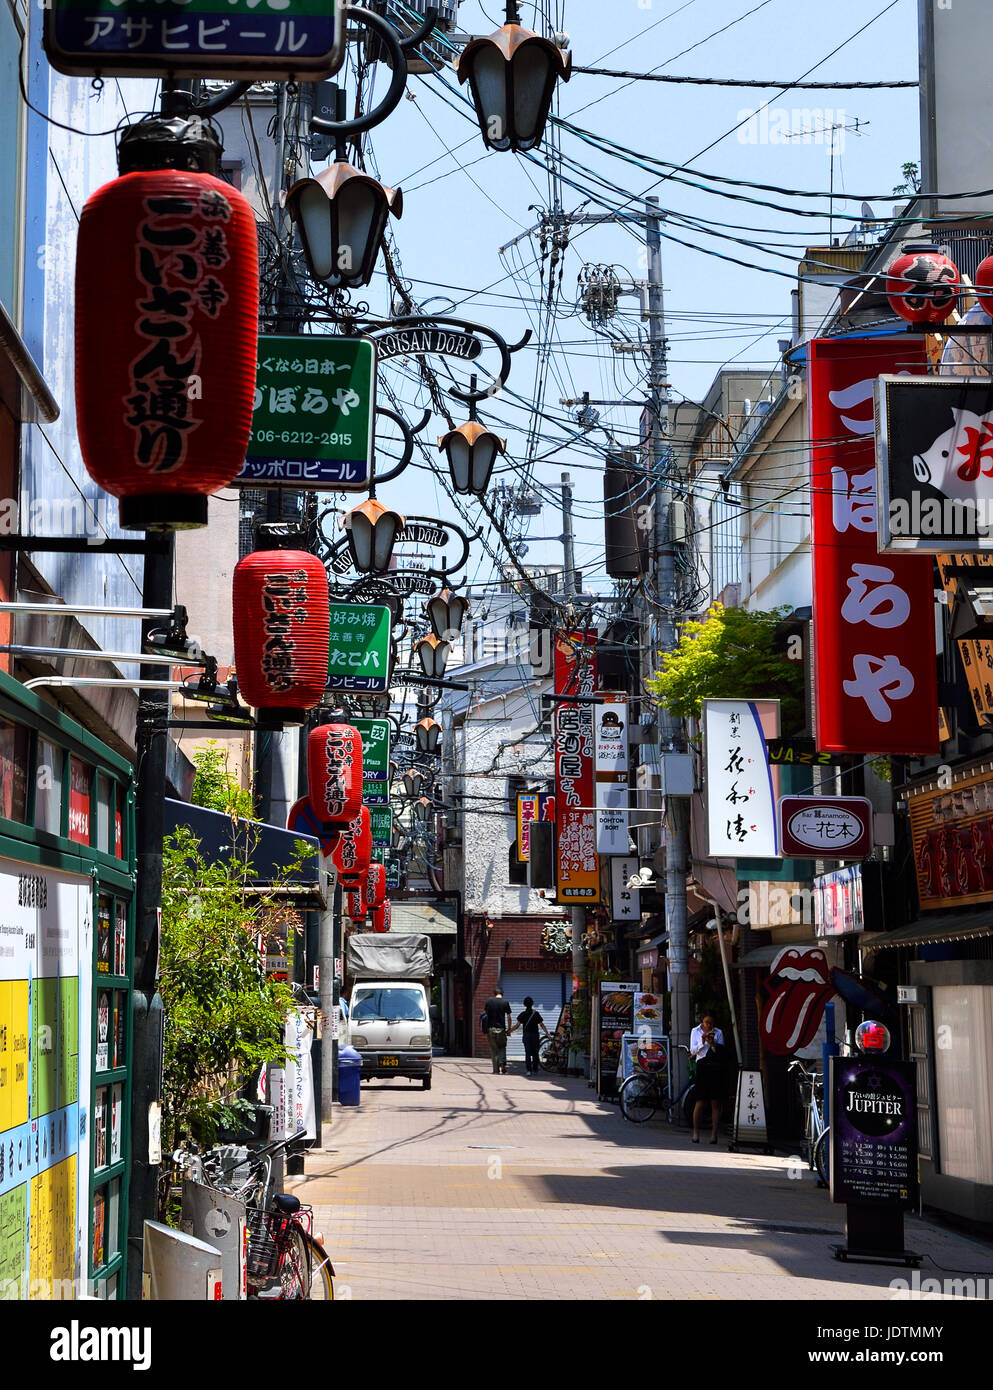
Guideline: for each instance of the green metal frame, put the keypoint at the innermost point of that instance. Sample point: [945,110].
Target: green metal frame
[111,877]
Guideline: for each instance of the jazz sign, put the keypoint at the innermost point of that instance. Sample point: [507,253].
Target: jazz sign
[274,39]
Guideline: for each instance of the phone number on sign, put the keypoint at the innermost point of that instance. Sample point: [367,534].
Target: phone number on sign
[299,437]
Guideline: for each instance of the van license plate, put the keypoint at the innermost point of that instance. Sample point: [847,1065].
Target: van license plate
[389,1061]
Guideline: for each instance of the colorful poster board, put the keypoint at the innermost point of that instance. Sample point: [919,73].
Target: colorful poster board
[873,1132]
[531,806]
[615,1017]
[577,864]
[46,933]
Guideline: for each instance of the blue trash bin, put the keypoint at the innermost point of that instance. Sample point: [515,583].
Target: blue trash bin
[349,1075]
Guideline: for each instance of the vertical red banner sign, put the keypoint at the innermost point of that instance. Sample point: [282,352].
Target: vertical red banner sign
[875,680]
[578,868]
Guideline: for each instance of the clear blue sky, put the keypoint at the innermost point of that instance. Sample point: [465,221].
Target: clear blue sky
[461,207]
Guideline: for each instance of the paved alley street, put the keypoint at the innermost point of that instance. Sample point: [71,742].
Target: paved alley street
[510,1187]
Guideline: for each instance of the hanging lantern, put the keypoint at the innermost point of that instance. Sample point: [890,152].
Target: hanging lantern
[413,783]
[352,854]
[424,809]
[983,281]
[334,772]
[471,451]
[922,285]
[432,653]
[357,904]
[166,341]
[376,886]
[281,633]
[382,916]
[512,77]
[341,215]
[371,530]
[446,613]
[428,735]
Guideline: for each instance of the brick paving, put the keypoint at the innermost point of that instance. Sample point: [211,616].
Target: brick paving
[511,1187]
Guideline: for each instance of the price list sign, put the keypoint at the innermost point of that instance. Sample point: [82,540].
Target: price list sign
[873,1132]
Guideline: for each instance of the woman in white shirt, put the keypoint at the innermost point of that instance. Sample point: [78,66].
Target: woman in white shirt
[706,1040]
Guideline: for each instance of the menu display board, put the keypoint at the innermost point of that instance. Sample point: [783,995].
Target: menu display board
[615,1017]
[646,1054]
[648,1015]
[873,1132]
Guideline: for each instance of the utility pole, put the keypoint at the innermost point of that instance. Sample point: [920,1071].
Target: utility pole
[569,585]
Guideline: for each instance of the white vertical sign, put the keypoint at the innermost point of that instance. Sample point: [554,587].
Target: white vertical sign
[741,801]
[610,723]
[625,902]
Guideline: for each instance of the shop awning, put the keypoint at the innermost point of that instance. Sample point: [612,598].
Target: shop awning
[436,919]
[945,926]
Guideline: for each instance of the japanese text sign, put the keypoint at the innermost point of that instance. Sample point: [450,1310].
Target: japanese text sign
[873,1132]
[577,865]
[610,725]
[381,823]
[625,902]
[375,748]
[275,39]
[827,827]
[359,656]
[874,662]
[315,404]
[741,802]
[531,806]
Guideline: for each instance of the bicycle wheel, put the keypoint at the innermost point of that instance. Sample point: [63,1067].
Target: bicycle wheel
[321,1272]
[639,1098]
[549,1056]
[822,1156]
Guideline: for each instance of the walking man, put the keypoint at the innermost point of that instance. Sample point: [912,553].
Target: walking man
[497,1012]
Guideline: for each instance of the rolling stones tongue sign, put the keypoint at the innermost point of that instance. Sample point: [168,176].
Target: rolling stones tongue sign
[798,987]
[875,679]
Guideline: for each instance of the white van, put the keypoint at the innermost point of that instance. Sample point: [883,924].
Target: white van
[389,1024]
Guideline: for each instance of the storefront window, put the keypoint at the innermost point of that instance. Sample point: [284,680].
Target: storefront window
[14,744]
[48,788]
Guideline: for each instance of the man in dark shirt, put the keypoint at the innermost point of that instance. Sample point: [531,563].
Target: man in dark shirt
[497,1012]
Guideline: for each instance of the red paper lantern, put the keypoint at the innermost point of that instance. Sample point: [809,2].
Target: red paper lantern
[167,291]
[382,916]
[983,282]
[352,854]
[922,285]
[334,771]
[281,633]
[376,885]
[356,905]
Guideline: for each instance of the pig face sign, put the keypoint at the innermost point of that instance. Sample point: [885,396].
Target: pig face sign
[959,458]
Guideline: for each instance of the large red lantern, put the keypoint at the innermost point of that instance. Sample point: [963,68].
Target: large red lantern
[983,282]
[356,904]
[352,854]
[382,916]
[334,772]
[166,342]
[281,633]
[922,285]
[376,885]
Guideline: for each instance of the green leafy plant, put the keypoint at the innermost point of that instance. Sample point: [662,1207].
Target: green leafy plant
[216,787]
[223,1016]
[731,654]
[911,179]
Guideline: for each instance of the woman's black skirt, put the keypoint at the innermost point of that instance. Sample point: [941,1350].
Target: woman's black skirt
[711,1078]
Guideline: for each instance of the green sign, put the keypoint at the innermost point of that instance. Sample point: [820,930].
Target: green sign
[359,655]
[375,748]
[315,405]
[381,818]
[275,39]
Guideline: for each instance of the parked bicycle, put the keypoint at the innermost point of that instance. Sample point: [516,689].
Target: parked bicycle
[553,1053]
[286,1258]
[817,1135]
[646,1090]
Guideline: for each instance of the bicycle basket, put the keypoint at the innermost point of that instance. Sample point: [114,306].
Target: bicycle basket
[263,1251]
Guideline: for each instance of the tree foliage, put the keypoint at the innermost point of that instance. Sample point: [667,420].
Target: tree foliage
[215,786]
[730,655]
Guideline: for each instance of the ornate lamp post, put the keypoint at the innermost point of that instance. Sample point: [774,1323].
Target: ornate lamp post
[512,77]
[371,531]
[432,652]
[447,612]
[428,734]
[413,783]
[341,217]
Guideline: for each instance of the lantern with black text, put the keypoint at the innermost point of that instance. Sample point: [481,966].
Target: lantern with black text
[922,285]
[334,772]
[382,916]
[281,633]
[983,281]
[376,885]
[356,904]
[352,854]
[166,342]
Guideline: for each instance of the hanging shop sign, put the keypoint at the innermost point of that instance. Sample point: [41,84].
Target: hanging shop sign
[825,827]
[801,752]
[577,865]
[376,734]
[314,414]
[839,902]
[875,680]
[976,653]
[951,827]
[798,987]
[625,902]
[873,1132]
[612,800]
[556,938]
[446,537]
[278,40]
[381,824]
[934,463]
[741,801]
[359,656]
[531,806]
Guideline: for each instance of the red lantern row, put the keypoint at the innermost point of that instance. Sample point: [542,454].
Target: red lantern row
[356,904]
[334,772]
[382,916]
[281,633]
[376,885]
[166,342]
[352,853]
